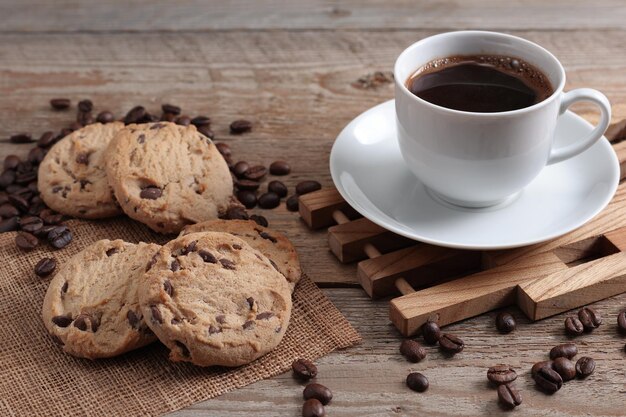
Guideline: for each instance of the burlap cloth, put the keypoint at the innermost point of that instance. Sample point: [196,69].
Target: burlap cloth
[37,379]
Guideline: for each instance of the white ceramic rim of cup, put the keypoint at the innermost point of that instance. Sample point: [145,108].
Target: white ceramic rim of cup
[402,83]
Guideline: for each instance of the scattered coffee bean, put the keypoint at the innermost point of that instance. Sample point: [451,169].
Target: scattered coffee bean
[59,237]
[505,323]
[240,168]
[247,185]
[509,396]
[85,105]
[31,224]
[45,267]
[170,108]
[19,202]
[412,350]
[135,115]
[224,149]
[35,156]
[49,217]
[105,117]
[313,408]
[450,343]
[8,210]
[585,366]
[319,392]
[60,103]
[47,139]
[306,187]
[11,162]
[590,318]
[573,326]
[417,382]
[548,379]
[566,350]
[278,188]
[269,200]
[236,213]
[183,121]
[536,367]
[84,118]
[240,126]
[206,131]
[9,225]
[304,369]
[7,178]
[247,198]
[280,168]
[431,332]
[21,138]
[255,173]
[501,374]
[621,322]
[260,220]
[151,193]
[26,241]
[565,368]
[293,203]
[201,121]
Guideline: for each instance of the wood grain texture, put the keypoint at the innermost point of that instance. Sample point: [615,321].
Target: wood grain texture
[296,87]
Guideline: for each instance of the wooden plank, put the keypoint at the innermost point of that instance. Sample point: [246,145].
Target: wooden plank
[317,208]
[196,15]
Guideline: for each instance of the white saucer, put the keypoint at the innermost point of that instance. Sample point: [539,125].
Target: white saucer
[369,172]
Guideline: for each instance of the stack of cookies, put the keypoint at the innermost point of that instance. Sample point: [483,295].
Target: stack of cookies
[162,174]
[219,294]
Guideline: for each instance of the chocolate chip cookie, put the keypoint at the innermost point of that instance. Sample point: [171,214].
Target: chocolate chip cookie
[274,245]
[72,177]
[214,300]
[167,175]
[91,307]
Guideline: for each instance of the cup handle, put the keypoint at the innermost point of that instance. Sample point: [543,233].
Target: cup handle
[582,94]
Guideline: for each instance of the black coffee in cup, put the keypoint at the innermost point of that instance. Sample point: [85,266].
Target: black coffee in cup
[480,83]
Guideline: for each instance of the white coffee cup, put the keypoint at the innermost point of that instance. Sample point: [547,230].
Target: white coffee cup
[483,159]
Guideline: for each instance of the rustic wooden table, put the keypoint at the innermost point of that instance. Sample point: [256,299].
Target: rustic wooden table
[289,67]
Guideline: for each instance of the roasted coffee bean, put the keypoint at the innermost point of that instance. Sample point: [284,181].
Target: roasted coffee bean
[585,366]
[18,202]
[621,322]
[105,117]
[313,408]
[255,173]
[277,188]
[269,200]
[7,210]
[21,138]
[509,396]
[293,203]
[240,168]
[31,224]
[151,193]
[183,120]
[9,225]
[565,368]
[170,108]
[26,241]
[7,178]
[536,367]
[501,374]
[26,177]
[63,320]
[49,217]
[201,121]
[306,187]
[11,162]
[60,103]
[168,117]
[135,115]
[85,105]
[412,350]
[47,139]
[573,326]
[236,213]
[224,149]
[240,126]
[45,267]
[431,332]
[206,131]
[450,343]
[566,350]
[304,369]
[505,323]
[84,118]
[75,126]
[280,168]
[548,379]
[319,392]
[247,198]
[417,382]
[4,198]
[260,220]
[247,185]
[35,156]
[59,237]
[590,318]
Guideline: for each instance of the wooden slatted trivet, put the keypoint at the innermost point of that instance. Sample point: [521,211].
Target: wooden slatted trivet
[581,267]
